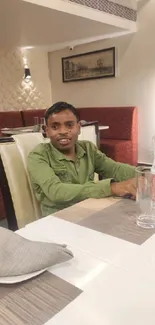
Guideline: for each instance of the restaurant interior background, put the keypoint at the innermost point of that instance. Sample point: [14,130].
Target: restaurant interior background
[133,85]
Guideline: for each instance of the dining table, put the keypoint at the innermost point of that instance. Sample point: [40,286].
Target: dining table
[109,281]
[89,131]
[18,130]
[30,129]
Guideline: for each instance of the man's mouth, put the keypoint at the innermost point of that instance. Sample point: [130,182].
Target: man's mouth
[64,141]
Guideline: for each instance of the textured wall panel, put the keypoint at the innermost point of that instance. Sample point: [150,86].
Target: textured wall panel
[109,7]
[17,94]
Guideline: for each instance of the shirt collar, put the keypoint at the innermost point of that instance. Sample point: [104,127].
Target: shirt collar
[80,151]
[60,156]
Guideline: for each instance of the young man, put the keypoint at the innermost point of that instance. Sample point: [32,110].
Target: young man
[62,171]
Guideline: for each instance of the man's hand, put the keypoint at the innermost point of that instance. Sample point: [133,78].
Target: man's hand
[124,188]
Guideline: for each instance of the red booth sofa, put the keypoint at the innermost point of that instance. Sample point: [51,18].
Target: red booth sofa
[120,141]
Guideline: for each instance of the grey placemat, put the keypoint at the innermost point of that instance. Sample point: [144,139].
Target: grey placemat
[36,301]
[118,220]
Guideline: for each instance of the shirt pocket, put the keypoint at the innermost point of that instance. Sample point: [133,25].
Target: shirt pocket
[62,173]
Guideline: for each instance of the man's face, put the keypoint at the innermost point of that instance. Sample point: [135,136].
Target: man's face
[63,130]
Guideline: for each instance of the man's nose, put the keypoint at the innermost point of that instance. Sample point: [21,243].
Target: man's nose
[63,130]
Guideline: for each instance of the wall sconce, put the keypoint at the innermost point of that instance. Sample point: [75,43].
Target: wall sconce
[27,74]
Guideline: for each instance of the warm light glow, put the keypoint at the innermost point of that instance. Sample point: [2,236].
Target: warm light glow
[25,61]
[27,84]
[28,77]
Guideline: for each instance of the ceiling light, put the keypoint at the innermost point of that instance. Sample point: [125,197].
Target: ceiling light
[27,74]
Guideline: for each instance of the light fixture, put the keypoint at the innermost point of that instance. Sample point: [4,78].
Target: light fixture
[27,74]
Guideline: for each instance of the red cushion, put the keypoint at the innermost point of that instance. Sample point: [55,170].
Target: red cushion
[28,115]
[122,121]
[10,119]
[119,150]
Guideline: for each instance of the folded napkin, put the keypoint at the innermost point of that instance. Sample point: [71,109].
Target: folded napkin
[20,256]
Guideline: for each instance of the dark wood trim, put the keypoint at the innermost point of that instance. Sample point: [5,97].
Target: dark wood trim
[143,164]
[6,139]
[7,199]
[87,123]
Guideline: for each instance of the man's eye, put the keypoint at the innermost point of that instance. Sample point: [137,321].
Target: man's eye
[70,125]
[54,127]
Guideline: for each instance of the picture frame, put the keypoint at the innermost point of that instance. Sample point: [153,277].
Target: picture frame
[88,66]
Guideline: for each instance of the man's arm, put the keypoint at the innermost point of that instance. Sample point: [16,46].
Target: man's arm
[43,175]
[111,169]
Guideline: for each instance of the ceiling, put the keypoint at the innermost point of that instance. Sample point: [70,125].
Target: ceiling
[54,27]
[29,25]
[10,11]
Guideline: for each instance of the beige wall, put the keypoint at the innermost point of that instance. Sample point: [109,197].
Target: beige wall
[134,85]
[17,94]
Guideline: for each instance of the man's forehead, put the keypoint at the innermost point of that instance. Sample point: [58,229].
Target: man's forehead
[65,115]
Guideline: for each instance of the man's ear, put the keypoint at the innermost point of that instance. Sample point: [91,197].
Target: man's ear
[79,127]
[46,130]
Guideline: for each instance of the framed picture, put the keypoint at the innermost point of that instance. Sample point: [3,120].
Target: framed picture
[91,65]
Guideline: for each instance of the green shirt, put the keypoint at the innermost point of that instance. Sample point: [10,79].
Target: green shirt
[59,182]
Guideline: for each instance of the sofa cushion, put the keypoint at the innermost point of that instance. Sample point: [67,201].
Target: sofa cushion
[28,115]
[122,121]
[10,119]
[118,150]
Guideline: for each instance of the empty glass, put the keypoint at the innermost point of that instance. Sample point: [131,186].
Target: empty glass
[145,197]
[42,125]
[36,124]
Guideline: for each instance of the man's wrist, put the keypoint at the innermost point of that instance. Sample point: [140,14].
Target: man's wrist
[113,185]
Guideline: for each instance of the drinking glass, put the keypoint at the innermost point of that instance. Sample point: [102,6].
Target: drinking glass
[36,124]
[42,121]
[145,197]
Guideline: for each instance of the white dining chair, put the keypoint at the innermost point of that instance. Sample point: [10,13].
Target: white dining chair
[26,143]
[88,132]
[18,184]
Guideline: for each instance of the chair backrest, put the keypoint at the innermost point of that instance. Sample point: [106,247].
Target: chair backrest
[26,143]
[18,184]
[88,133]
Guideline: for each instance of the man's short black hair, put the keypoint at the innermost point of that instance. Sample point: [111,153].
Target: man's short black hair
[59,107]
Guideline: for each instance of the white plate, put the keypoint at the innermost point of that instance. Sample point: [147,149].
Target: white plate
[19,278]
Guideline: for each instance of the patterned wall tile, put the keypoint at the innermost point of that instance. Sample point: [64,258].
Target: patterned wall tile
[15,92]
[109,7]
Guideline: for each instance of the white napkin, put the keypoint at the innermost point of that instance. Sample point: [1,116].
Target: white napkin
[20,256]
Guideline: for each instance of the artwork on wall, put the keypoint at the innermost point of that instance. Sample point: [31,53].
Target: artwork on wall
[91,65]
